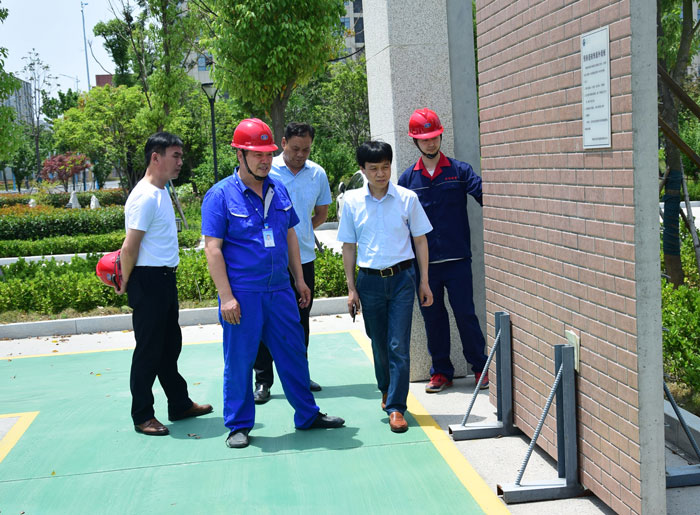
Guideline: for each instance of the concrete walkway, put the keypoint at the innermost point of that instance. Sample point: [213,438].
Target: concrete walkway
[482,464]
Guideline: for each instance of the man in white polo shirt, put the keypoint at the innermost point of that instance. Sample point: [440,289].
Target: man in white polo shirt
[149,259]
[308,187]
[378,222]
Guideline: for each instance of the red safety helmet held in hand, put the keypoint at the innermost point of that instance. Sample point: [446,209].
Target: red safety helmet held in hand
[109,269]
[253,134]
[424,124]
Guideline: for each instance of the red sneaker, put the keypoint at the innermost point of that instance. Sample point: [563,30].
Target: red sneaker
[438,382]
[485,384]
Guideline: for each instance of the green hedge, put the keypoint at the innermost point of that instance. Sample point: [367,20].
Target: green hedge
[108,197]
[60,222]
[681,317]
[79,244]
[47,286]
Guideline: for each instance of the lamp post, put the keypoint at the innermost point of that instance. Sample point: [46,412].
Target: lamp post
[210,91]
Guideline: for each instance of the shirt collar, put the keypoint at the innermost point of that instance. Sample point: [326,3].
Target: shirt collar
[241,185]
[281,163]
[391,191]
[443,162]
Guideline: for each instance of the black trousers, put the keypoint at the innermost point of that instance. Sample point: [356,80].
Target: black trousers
[263,362]
[152,293]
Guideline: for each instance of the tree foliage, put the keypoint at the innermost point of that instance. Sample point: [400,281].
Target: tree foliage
[9,137]
[62,167]
[677,43]
[107,126]
[263,49]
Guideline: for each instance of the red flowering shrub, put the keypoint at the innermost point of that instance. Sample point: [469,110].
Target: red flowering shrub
[62,167]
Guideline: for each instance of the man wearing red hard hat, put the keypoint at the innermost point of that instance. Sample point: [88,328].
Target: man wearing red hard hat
[442,185]
[149,257]
[250,243]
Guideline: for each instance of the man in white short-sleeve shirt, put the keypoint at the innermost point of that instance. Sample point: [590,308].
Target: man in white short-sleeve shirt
[149,258]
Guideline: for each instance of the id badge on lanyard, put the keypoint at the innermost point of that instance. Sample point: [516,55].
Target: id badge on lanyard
[268,235]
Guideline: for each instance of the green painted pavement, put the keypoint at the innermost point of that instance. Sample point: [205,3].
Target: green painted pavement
[81,454]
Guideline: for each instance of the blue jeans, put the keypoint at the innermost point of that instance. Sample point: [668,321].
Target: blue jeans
[387,309]
[456,278]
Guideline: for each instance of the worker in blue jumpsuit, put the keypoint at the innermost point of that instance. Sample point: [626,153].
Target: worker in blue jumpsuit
[248,225]
[442,185]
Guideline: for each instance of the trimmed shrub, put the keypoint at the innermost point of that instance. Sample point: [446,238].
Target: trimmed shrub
[330,274]
[80,244]
[107,197]
[34,224]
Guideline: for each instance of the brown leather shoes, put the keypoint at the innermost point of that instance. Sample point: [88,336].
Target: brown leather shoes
[384,401]
[194,411]
[397,423]
[152,428]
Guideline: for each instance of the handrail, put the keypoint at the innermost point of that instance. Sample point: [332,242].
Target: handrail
[676,139]
[682,95]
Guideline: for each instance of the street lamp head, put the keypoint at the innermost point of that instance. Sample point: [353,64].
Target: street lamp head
[209,89]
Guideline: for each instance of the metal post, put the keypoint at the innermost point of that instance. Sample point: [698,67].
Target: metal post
[87,66]
[567,485]
[504,390]
[213,139]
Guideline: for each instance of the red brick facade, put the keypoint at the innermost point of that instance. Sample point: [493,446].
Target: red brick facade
[559,238]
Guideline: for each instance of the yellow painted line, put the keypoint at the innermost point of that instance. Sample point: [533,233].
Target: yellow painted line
[472,481]
[59,353]
[16,431]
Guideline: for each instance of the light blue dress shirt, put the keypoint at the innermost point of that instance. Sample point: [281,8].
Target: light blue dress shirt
[308,188]
[382,228]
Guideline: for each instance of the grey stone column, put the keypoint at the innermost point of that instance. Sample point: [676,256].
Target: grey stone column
[409,44]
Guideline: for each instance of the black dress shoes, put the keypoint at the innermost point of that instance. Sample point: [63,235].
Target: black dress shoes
[314,386]
[238,439]
[324,421]
[261,394]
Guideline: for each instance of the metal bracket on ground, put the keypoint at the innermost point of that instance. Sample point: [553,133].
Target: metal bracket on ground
[567,485]
[504,390]
[688,475]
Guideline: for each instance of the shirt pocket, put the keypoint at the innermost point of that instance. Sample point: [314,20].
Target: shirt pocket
[241,221]
[452,192]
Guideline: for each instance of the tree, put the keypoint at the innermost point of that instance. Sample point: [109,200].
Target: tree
[63,167]
[39,76]
[155,39]
[263,49]
[22,159]
[9,133]
[55,107]
[116,36]
[109,127]
[336,104]
[676,31]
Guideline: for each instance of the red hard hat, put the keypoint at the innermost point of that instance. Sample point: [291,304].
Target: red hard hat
[109,269]
[424,124]
[253,134]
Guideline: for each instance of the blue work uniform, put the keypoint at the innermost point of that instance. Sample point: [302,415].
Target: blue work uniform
[444,198]
[254,234]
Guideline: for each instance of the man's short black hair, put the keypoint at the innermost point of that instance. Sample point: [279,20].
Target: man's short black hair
[159,142]
[299,129]
[373,152]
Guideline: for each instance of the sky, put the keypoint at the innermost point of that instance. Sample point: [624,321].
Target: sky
[54,29]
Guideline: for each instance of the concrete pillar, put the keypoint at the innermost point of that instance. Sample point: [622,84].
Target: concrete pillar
[408,48]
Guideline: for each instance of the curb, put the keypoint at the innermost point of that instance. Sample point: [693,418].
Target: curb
[673,431]
[326,306]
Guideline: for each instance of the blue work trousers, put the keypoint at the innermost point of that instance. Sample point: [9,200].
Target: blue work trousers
[272,317]
[456,278]
[387,310]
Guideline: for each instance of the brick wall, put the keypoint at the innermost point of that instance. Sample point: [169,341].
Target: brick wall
[559,237]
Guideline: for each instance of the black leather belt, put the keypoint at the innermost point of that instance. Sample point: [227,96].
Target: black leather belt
[390,271]
[164,269]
